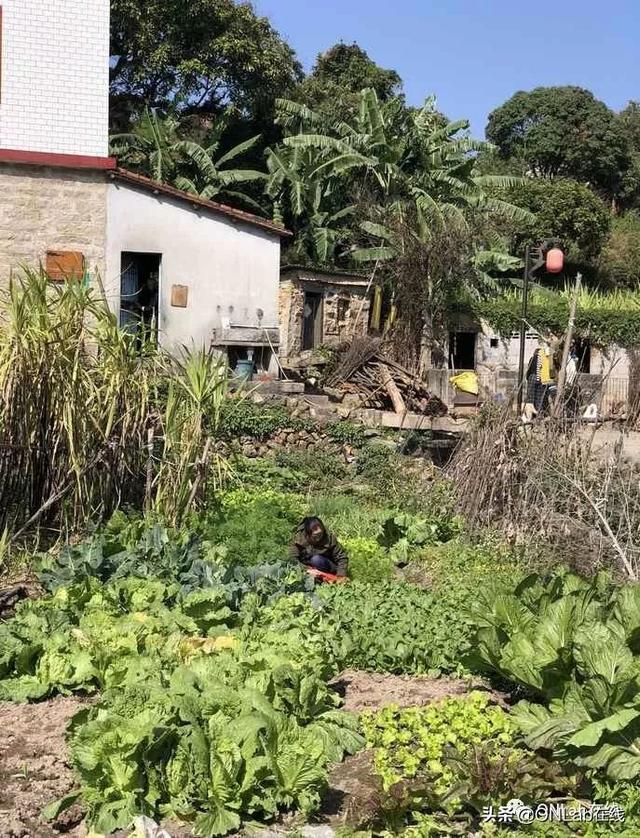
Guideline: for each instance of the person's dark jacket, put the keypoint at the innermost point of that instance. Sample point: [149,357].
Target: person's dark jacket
[302,551]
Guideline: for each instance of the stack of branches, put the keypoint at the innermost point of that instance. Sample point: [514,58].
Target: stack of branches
[548,485]
[365,369]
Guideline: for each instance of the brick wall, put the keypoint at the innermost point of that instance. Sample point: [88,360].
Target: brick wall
[51,209]
[54,94]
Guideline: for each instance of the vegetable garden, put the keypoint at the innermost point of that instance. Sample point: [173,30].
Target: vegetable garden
[209,673]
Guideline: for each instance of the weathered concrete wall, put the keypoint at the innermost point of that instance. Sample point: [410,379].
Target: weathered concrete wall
[341,315]
[231,269]
[44,208]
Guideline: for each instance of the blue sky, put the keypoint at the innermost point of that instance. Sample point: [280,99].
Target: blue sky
[474,55]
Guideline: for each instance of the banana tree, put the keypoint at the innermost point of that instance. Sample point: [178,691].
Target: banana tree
[208,175]
[307,180]
[152,146]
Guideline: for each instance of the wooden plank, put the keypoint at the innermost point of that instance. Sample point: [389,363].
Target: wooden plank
[390,386]
[62,265]
[179,296]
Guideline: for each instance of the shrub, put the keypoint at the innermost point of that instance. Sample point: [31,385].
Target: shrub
[346,432]
[374,460]
[241,417]
[318,467]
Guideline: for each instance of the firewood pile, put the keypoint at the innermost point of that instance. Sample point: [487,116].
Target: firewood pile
[365,369]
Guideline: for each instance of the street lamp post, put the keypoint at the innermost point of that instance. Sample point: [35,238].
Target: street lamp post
[534,258]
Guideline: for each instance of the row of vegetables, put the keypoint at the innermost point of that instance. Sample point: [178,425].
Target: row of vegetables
[212,698]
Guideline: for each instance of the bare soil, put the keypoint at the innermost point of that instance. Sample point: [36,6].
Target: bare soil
[372,690]
[34,769]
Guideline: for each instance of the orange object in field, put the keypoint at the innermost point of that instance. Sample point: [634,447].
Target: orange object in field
[555,260]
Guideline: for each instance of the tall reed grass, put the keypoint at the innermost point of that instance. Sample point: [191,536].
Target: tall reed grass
[89,419]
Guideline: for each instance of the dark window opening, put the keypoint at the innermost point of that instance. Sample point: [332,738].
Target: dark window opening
[312,320]
[139,290]
[583,351]
[494,343]
[462,350]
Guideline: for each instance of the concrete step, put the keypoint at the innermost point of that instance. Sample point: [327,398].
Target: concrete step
[320,400]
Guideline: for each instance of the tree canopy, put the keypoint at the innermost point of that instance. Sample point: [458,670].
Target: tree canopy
[620,258]
[339,75]
[562,131]
[198,55]
[566,211]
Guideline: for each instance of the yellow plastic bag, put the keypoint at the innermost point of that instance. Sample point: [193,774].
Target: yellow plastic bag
[467,382]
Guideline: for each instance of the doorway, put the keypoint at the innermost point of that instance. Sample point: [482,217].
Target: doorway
[583,351]
[312,320]
[139,294]
[462,350]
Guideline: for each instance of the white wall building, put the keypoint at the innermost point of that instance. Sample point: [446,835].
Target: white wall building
[202,273]
[217,268]
[55,76]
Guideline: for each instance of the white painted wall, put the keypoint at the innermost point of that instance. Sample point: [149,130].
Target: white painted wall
[506,355]
[231,269]
[54,94]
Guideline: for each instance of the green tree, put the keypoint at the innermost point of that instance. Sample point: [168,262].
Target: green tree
[562,131]
[339,74]
[157,149]
[306,185]
[413,185]
[204,170]
[619,261]
[629,124]
[152,147]
[566,211]
[198,56]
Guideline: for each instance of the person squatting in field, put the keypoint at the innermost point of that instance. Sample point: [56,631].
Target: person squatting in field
[314,546]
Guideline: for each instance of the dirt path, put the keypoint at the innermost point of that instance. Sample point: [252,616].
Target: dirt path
[34,769]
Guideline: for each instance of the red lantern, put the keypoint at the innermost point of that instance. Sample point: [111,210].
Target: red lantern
[554,261]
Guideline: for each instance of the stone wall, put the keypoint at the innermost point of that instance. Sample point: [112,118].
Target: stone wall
[340,320]
[45,208]
[341,316]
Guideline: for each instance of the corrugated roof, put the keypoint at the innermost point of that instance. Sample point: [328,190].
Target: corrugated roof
[158,188]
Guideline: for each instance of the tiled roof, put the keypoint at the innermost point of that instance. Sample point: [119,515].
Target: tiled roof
[158,188]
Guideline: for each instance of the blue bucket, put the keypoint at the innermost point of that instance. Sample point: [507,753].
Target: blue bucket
[244,369]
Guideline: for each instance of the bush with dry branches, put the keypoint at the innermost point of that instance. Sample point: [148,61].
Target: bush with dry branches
[545,483]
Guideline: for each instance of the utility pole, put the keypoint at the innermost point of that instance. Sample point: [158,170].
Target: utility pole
[562,374]
[534,258]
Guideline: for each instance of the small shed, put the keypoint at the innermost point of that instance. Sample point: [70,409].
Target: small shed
[321,307]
